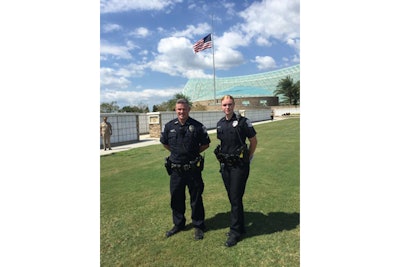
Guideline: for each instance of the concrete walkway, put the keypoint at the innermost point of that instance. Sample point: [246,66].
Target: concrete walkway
[146,140]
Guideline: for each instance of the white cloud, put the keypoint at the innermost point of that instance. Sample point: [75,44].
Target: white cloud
[295,43]
[141,32]
[232,40]
[265,62]
[279,19]
[226,58]
[112,78]
[133,98]
[113,6]
[118,51]
[111,27]
[191,31]
[109,78]
[230,8]
[176,58]
[262,41]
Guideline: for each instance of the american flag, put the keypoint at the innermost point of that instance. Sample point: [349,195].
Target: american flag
[202,44]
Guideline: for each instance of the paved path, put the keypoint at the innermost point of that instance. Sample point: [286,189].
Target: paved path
[146,140]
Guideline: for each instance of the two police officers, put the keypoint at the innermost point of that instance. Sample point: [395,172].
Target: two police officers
[235,157]
[185,138]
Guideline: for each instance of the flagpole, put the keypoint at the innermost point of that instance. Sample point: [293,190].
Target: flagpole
[212,38]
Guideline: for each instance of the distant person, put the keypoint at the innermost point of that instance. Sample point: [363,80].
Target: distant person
[272,114]
[185,138]
[106,132]
[235,157]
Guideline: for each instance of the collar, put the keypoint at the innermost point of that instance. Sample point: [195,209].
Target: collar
[185,124]
[233,117]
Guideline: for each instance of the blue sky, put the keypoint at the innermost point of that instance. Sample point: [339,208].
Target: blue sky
[146,53]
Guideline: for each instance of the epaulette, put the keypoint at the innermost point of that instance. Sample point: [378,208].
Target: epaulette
[241,120]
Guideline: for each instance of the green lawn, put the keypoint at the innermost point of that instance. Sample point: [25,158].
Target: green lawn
[135,211]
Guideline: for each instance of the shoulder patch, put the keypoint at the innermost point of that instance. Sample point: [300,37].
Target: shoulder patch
[249,124]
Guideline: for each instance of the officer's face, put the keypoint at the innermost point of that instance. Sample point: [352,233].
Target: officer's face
[182,111]
[228,106]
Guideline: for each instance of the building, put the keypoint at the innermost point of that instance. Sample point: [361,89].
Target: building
[250,91]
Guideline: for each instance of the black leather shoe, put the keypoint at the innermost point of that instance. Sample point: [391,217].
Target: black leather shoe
[229,233]
[198,234]
[173,231]
[232,240]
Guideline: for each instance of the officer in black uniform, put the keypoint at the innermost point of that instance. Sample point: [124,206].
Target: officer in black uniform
[235,157]
[185,138]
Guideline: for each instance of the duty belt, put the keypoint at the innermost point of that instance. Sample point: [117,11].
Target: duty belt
[185,167]
[230,159]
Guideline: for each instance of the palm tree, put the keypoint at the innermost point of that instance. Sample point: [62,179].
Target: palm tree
[289,90]
[296,93]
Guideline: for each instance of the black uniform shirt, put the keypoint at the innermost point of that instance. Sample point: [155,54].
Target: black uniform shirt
[233,134]
[184,140]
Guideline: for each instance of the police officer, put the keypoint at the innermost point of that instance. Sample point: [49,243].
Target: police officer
[185,138]
[235,157]
[106,132]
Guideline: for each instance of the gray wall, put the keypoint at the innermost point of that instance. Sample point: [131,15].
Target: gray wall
[210,118]
[143,123]
[125,127]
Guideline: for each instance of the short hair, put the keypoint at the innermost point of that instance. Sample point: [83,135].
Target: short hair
[228,97]
[182,101]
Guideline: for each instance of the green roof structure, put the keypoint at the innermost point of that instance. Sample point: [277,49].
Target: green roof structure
[255,85]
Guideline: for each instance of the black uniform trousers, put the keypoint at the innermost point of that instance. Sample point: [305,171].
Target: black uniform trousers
[178,182]
[235,178]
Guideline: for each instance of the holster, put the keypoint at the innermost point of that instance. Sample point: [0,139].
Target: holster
[244,153]
[217,151]
[241,154]
[167,165]
[200,162]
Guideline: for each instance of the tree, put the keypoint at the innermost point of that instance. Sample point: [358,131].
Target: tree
[128,109]
[141,108]
[296,93]
[289,90]
[170,104]
[109,107]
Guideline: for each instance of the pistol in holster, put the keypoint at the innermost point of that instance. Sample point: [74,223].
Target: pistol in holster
[220,157]
[167,165]
[243,153]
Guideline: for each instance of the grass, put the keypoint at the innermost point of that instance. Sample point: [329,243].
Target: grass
[135,211]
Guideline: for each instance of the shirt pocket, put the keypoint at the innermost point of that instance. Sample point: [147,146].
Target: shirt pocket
[172,138]
[219,133]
